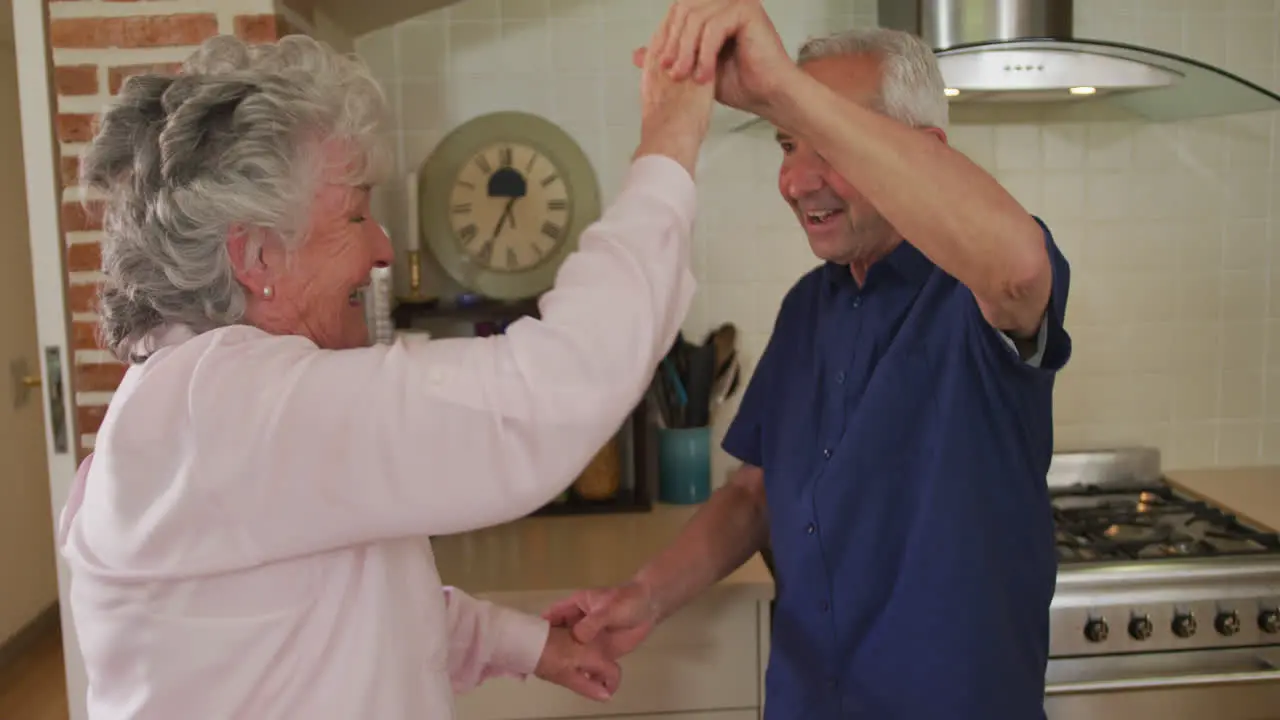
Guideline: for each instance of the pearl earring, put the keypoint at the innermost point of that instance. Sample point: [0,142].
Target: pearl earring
[268,292]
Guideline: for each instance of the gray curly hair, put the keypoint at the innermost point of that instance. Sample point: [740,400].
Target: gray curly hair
[912,90]
[231,141]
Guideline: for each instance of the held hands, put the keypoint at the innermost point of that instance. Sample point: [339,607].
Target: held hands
[675,115]
[584,669]
[732,42]
[615,619]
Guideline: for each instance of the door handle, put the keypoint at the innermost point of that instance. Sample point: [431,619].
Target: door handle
[24,381]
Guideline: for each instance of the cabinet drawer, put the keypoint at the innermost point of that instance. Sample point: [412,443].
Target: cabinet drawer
[704,658]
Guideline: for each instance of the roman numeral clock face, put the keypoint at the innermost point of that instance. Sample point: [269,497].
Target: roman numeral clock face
[509,208]
[502,200]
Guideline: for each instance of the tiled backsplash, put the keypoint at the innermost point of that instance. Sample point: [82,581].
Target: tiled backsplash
[1169,228]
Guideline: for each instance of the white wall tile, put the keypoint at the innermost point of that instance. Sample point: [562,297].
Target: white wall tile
[1063,146]
[424,47]
[526,48]
[1017,147]
[523,9]
[474,10]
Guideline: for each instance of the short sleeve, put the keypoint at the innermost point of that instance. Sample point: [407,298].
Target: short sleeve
[744,439]
[1053,343]
[1042,341]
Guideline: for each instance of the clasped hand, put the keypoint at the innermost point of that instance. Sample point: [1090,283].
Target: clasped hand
[590,631]
[614,619]
[582,667]
[732,42]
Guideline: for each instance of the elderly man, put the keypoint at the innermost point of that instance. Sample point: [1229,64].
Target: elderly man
[897,431]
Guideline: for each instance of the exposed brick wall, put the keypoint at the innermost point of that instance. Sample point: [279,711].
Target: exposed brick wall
[117,74]
[263,28]
[96,45]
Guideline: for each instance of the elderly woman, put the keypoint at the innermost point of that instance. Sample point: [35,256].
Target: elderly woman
[248,539]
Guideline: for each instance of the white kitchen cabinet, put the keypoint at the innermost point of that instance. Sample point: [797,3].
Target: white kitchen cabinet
[704,663]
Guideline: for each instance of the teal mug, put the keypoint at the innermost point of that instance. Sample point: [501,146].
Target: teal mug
[684,465]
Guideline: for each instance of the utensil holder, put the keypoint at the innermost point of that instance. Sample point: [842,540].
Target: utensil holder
[684,465]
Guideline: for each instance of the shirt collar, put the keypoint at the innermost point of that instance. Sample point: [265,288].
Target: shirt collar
[904,264]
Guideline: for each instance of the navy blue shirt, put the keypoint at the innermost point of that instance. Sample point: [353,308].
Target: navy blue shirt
[905,445]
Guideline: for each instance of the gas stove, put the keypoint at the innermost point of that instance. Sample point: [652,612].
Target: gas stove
[1148,520]
[1144,567]
[1156,590]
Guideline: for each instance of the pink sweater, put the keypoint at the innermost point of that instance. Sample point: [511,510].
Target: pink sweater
[250,538]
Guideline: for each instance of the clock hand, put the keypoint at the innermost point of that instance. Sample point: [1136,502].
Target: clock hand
[507,211]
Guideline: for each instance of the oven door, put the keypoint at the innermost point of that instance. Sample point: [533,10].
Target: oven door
[1236,684]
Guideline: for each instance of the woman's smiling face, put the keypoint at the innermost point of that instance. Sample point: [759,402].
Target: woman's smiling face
[315,290]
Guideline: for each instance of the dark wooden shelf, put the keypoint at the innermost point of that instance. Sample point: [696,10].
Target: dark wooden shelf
[624,502]
[407,311]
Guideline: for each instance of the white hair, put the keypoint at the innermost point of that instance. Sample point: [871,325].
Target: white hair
[232,140]
[912,90]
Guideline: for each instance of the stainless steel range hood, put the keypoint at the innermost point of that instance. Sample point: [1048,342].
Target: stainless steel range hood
[1024,51]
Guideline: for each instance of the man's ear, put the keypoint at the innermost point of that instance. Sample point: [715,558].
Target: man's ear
[937,132]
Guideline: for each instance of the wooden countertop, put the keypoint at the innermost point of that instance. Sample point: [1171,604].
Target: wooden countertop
[1251,493]
[548,556]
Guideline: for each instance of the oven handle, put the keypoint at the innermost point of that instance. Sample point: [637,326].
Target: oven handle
[1156,683]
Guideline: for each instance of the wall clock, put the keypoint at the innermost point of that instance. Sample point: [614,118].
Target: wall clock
[503,199]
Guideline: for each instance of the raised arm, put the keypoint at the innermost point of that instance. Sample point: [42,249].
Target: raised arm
[303,449]
[438,437]
[944,204]
[948,207]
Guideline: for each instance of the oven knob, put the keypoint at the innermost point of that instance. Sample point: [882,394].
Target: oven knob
[1227,623]
[1096,630]
[1140,628]
[1269,621]
[1184,626]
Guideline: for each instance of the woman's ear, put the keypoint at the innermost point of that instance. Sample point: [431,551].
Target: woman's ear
[257,256]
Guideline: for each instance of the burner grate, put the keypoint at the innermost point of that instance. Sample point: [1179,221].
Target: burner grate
[1147,522]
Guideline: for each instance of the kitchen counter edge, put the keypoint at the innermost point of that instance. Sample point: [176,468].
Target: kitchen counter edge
[1252,493]
[544,558]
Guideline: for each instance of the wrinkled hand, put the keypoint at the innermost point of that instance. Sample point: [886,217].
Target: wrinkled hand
[616,619]
[579,667]
[675,114]
[730,41]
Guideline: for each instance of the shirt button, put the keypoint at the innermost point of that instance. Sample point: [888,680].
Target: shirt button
[825,606]
[857,302]
[831,682]
[810,529]
[826,452]
[840,377]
